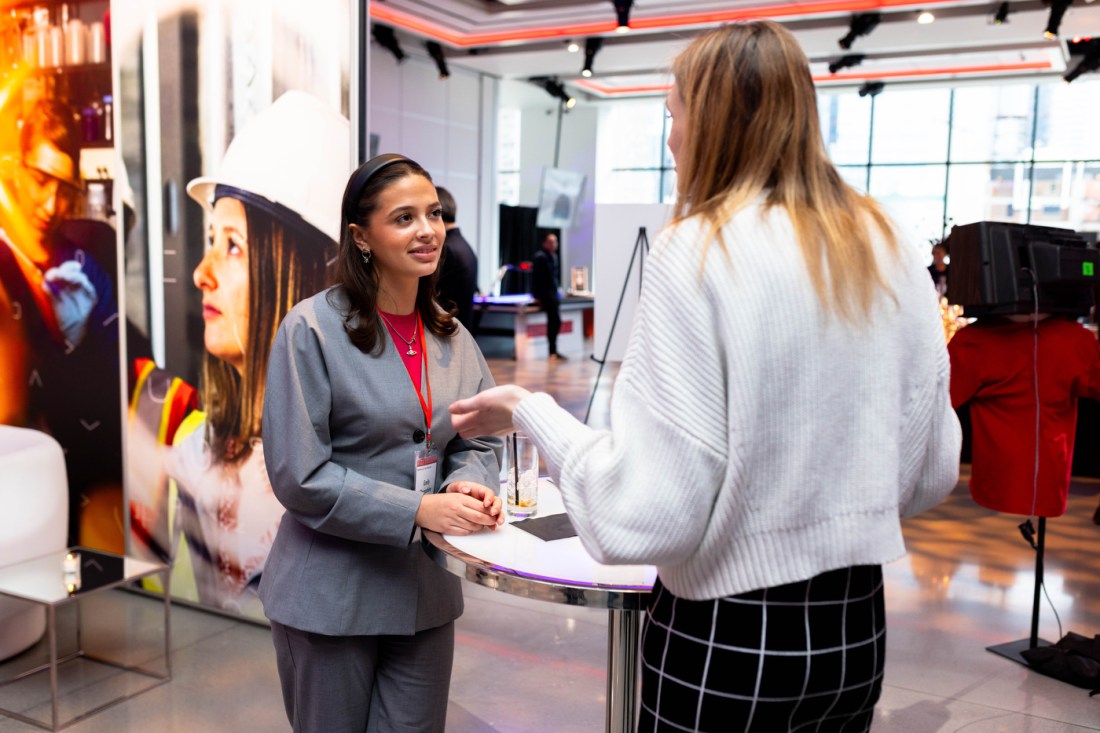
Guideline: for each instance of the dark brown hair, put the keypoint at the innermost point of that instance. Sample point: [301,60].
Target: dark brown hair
[359,281]
[285,265]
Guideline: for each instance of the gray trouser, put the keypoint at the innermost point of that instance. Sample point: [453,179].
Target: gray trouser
[377,684]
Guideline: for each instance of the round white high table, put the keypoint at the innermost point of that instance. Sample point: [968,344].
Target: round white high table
[514,561]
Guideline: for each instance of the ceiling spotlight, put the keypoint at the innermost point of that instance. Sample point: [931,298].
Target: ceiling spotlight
[622,14]
[1057,10]
[436,52]
[555,89]
[871,88]
[572,46]
[861,25]
[592,46]
[1001,16]
[1089,50]
[925,18]
[383,34]
[844,62]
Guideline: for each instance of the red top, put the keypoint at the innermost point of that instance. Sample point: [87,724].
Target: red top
[406,328]
[992,367]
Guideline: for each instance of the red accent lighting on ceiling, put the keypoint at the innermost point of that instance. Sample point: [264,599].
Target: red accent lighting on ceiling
[462,39]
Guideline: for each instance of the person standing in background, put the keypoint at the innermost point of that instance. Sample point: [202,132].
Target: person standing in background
[938,268]
[767,491]
[458,266]
[544,286]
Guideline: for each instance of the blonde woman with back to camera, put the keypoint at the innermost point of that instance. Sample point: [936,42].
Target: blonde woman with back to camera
[782,403]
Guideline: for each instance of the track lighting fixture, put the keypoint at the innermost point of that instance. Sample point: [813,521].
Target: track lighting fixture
[861,25]
[436,52]
[555,89]
[844,62]
[1089,50]
[871,88]
[1054,21]
[385,38]
[592,46]
[1001,16]
[622,14]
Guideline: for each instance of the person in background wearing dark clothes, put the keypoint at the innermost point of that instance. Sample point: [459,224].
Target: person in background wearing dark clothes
[938,268]
[544,286]
[458,268]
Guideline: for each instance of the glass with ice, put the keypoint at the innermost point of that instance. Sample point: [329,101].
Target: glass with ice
[521,468]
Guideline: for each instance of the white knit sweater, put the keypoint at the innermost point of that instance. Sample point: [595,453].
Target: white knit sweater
[755,441]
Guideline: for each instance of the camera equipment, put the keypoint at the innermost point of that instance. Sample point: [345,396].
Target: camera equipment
[996,267]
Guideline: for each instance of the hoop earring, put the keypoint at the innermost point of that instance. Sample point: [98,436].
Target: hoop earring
[366,254]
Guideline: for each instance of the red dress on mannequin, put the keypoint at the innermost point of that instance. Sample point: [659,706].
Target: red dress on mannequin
[992,368]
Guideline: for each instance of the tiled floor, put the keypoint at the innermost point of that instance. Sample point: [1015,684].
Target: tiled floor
[524,666]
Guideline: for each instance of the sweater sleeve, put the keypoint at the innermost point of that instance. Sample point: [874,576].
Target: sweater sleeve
[932,438]
[642,492]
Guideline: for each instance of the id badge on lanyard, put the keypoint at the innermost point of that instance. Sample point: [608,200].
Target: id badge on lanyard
[427,461]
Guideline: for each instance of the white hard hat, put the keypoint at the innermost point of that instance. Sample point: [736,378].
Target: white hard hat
[296,153]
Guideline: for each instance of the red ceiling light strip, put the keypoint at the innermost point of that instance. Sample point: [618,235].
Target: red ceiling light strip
[942,71]
[609,91]
[460,39]
[463,40]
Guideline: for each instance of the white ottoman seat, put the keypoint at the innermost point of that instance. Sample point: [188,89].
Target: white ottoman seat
[34,511]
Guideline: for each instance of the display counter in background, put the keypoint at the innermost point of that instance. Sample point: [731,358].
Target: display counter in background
[513,326]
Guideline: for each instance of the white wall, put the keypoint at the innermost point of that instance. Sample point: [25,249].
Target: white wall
[449,127]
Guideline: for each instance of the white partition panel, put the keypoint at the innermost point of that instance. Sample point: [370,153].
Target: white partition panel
[615,244]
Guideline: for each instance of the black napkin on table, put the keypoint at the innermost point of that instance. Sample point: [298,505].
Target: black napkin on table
[553,527]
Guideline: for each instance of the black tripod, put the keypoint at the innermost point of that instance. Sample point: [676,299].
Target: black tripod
[641,244]
[1011,649]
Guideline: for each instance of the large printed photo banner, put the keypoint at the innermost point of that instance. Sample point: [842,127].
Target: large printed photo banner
[59,251]
[257,232]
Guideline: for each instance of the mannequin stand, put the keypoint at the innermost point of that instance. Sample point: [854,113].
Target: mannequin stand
[1011,650]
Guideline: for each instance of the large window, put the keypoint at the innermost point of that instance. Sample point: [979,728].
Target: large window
[933,157]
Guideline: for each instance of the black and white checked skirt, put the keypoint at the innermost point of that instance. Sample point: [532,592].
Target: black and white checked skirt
[804,657]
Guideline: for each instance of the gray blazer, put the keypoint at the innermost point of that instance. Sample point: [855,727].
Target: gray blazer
[338,429]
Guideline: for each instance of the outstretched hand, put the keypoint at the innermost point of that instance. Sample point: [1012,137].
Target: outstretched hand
[488,412]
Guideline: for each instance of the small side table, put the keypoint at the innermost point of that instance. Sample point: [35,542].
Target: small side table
[43,581]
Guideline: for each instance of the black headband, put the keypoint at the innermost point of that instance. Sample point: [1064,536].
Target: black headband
[361,177]
[289,218]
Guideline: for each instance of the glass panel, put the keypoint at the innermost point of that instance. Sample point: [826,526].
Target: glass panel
[1067,127]
[855,176]
[508,188]
[1053,199]
[668,195]
[913,197]
[1087,202]
[993,123]
[630,135]
[845,126]
[987,193]
[630,187]
[911,126]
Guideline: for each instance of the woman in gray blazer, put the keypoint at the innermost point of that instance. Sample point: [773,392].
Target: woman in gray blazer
[360,450]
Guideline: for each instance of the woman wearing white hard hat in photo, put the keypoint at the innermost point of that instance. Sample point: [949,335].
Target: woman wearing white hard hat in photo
[361,451]
[273,223]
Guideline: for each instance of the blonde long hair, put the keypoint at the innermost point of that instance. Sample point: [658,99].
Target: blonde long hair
[752,127]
